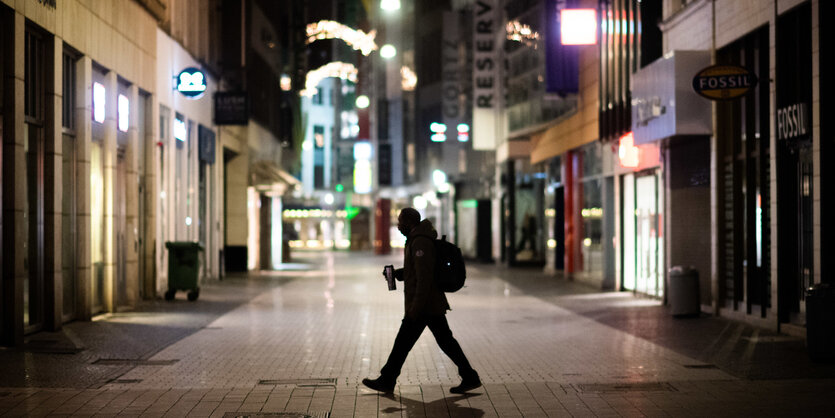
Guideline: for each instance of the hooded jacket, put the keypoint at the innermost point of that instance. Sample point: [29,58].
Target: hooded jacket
[423,298]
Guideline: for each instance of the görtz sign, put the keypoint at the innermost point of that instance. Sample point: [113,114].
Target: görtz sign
[724,82]
[191,82]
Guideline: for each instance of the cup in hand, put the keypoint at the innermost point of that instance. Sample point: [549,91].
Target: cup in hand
[388,271]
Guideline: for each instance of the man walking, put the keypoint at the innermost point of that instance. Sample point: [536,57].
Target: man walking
[426,306]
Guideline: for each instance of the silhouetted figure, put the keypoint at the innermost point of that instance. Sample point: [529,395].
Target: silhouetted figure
[426,306]
[528,233]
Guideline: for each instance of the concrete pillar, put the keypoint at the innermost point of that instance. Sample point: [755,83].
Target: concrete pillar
[53,180]
[150,178]
[83,146]
[14,187]
[132,199]
[109,149]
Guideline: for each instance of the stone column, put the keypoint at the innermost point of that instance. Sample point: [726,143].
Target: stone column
[53,190]
[14,187]
[109,151]
[83,143]
[132,200]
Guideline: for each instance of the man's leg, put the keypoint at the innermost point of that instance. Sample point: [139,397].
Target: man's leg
[407,336]
[443,335]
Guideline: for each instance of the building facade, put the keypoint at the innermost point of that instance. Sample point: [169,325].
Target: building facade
[78,88]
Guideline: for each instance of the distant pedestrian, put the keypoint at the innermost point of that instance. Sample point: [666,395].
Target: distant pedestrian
[425,305]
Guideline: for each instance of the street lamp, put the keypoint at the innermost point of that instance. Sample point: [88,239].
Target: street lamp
[363,102]
[388,51]
[390,5]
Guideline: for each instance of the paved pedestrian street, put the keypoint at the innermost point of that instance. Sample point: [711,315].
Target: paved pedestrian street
[297,342]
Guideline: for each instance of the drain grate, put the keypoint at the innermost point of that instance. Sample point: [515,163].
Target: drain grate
[51,350]
[700,366]
[626,387]
[133,362]
[300,382]
[277,415]
[125,381]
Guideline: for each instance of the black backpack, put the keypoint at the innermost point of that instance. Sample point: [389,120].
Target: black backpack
[450,272]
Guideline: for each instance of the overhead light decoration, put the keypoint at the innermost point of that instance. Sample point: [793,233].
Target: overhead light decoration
[520,32]
[408,80]
[578,26]
[286,82]
[329,29]
[337,69]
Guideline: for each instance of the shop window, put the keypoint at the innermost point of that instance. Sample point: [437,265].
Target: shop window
[32,171]
[68,203]
[743,131]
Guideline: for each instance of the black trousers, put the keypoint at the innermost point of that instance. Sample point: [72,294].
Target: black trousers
[408,335]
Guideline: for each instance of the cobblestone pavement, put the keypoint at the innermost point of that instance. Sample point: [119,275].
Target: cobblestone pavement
[297,343]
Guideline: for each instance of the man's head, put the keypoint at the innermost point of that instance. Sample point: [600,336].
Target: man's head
[407,220]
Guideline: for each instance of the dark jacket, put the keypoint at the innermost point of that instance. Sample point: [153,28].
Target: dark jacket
[423,298]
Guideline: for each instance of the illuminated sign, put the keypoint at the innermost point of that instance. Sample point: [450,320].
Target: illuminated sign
[724,82]
[463,132]
[191,83]
[124,113]
[628,153]
[578,26]
[98,102]
[362,167]
[362,176]
[180,131]
[438,132]
[793,121]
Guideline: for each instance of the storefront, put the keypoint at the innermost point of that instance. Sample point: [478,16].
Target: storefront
[795,165]
[523,211]
[641,218]
[664,182]
[187,182]
[590,211]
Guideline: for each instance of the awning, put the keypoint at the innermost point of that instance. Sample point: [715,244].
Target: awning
[267,177]
[575,131]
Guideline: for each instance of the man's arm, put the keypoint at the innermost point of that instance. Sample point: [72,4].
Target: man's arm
[424,262]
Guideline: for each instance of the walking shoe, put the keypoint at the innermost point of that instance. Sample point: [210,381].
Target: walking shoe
[379,384]
[467,384]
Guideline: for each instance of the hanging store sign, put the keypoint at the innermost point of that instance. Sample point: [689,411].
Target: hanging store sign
[724,82]
[191,83]
[485,73]
[231,108]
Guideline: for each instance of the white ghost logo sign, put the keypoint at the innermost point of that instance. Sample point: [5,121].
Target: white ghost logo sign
[191,83]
